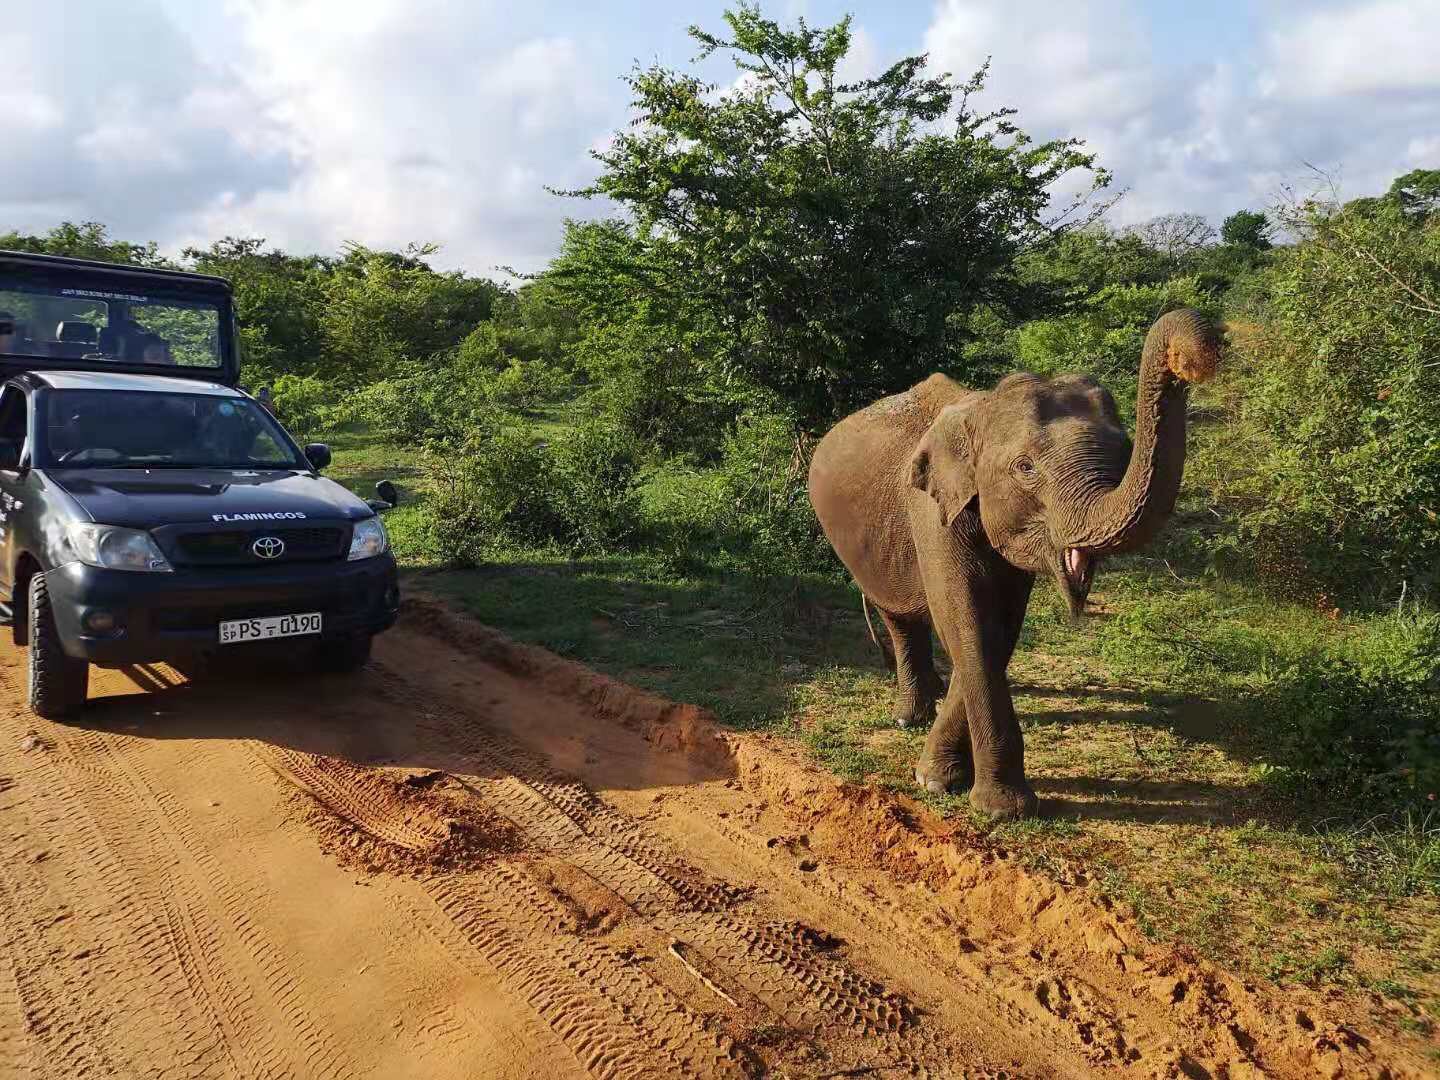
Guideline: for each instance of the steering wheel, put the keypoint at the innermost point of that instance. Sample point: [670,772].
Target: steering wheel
[74,457]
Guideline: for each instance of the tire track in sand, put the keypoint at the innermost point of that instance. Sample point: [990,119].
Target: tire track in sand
[762,963]
[164,988]
[615,1020]
[238,949]
[128,997]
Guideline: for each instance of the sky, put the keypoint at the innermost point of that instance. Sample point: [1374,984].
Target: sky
[314,123]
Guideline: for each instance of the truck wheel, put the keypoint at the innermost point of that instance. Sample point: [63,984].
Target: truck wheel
[343,654]
[58,683]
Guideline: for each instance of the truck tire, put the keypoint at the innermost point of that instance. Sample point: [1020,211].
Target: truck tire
[343,654]
[58,683]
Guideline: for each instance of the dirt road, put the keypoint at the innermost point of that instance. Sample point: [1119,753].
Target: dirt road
[476,860]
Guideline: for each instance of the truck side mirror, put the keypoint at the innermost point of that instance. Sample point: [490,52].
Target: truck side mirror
[387,492]
[318,454]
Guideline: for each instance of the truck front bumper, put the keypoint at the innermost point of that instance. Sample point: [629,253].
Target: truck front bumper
[171,616]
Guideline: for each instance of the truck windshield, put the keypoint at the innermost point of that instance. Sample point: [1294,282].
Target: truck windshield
[149,429]
[73,321]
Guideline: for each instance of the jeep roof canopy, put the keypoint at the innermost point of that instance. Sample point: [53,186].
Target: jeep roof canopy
[83,315]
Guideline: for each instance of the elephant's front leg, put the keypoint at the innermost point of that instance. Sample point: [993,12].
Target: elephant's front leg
[947,764]
[977,739]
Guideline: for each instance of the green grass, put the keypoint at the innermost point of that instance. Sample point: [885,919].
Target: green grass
[1143,734]
[360,460]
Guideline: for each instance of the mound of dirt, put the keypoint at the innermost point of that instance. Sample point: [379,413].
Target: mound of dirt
[667,724]
[429,826]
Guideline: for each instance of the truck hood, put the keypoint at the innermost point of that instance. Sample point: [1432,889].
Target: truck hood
[150,498]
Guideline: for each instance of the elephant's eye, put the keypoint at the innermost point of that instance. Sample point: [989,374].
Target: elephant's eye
[1025,467]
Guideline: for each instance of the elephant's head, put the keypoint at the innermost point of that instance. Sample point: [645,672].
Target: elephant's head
[1048,467]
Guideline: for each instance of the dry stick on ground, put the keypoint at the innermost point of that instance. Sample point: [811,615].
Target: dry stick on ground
[675,947]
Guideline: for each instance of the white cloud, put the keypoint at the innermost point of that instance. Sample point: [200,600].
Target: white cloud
[1210,133]
[27,110]
[1424,152]
[418,122]
[1387,46]
[117,132]
[316,122]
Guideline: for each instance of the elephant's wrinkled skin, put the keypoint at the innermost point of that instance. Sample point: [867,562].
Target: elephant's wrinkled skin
[946,502]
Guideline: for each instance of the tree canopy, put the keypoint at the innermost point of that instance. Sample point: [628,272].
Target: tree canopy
[1247,229]
[835,234]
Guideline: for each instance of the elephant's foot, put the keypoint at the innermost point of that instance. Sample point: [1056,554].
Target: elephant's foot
[913,710]
[946,776]
[1004,802]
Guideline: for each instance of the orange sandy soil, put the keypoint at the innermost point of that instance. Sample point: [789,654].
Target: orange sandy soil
[476,859]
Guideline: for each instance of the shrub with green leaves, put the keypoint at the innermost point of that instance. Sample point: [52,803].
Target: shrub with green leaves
[306,405]
[446,398]
[1349,731]
[752,506]
[1334,463]
[502,487]
[762,482]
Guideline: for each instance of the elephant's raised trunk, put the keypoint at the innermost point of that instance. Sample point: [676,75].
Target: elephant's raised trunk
[1181,348]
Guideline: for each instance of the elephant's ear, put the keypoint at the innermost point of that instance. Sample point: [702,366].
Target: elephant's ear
[943,465]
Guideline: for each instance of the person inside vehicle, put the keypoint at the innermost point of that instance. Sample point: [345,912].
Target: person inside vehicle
[9,333]
[156,350]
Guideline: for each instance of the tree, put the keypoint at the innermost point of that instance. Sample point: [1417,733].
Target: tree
[87,240]
[1176,236]
[381,309]
[1247,229]
[1336,455]
[1417,192]
[276,302]
[834,235]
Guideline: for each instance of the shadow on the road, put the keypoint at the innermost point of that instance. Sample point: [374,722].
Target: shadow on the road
[381,717]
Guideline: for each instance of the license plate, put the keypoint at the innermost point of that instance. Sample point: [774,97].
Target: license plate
[273,626]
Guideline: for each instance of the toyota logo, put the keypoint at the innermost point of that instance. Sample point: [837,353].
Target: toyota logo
[268,547]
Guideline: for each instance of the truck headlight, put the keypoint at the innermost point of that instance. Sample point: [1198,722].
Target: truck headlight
[112,548]
[368,539]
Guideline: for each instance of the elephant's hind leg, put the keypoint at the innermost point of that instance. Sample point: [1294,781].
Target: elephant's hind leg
[919,686]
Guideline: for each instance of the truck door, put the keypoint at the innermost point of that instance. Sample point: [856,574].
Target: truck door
[14,449]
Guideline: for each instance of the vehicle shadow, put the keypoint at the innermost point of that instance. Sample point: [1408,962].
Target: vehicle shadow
[378,718]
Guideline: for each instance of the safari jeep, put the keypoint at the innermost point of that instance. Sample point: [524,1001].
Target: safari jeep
[150,509]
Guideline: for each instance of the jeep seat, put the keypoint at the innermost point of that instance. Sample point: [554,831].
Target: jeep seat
[75,330]
[73,339]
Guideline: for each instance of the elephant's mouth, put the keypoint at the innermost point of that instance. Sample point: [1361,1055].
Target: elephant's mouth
[1075,570]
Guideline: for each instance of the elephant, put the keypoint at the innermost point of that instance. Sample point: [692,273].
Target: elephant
[945,503]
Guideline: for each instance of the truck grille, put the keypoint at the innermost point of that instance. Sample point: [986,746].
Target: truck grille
[235,547]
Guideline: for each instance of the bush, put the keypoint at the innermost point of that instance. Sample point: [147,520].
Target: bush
[751,508]
[426,405]
[1347,732]
[446,399]
[306,406]
[502,488]
[650,381]
[1334,471]
[762,488]
[592,484]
